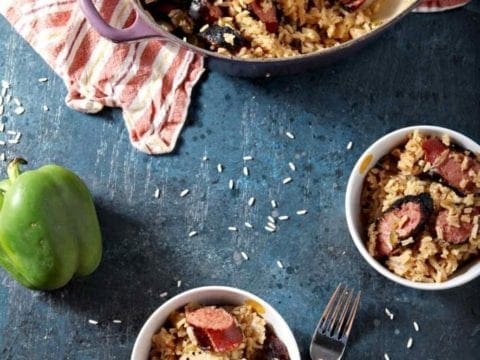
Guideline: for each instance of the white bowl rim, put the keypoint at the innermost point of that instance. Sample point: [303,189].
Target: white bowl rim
[185,295]
[459,280]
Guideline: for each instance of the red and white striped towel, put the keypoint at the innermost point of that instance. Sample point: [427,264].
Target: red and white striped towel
[150,80]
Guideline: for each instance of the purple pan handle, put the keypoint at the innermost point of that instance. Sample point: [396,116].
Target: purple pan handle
[140,29]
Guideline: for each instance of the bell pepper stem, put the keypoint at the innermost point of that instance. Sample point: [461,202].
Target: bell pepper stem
[13,168]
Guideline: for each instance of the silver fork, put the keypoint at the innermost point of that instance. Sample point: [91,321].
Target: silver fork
[330,337]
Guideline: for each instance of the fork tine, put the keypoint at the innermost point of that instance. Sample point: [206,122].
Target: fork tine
[351,317]
[329,307]
[338,308]
[341,322]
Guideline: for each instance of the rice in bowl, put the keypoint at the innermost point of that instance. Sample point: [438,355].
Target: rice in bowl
[179,339]
[449,236]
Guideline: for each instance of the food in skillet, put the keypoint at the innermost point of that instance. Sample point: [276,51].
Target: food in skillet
[265,28]
[217,333]
[421,208]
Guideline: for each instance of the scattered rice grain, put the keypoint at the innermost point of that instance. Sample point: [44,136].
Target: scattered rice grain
[271,219]
[248,225]
[19,110]
[43,79]
[2,156]
[247,158]
[291,165]
[386,357]
[287,180]
[245,171]
[279,264]
[409,343]
[231,184]
[349,145]
[117,321]
[290,135]
[17,102]
[251,201]
[45,108]
[5,84]
[192,233]
[93,322]
[273,203]
[232,228]
[184,193]
[157,193]
[244,255]
[302,212]
[179,283]
[389,313]
[164,294]
[416,327]
[269,229]
[219,168]
[283,217]
[2,109]
[272,225]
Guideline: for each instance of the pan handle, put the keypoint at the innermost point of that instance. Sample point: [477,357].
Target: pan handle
[140,29]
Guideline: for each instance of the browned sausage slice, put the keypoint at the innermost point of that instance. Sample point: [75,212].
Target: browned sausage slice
[460,171]
[267,13]
[210,317]
[454,234]
[351,5]
[227,340]
[406,217]
[216,325]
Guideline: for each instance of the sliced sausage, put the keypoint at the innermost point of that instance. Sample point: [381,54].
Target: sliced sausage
[267,13]
[406,217]
[457,169]
[351,5]
[215,328]
[210,317]
[227,340]
[454,234]
[222,36]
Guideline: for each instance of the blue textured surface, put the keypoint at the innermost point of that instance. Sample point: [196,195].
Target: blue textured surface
[425,71]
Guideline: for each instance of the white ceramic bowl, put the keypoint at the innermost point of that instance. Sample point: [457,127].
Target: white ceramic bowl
[211,295]
[352,203]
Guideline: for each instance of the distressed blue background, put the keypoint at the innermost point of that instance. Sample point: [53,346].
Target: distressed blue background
[426,70]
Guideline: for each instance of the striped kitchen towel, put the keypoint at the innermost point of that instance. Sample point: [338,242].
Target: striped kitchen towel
[440,5]
[150,80]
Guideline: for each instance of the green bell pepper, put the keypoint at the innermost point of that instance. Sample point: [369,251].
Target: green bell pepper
[49,231]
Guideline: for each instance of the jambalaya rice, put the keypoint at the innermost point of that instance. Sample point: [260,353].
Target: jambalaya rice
[302,26]
[427,257]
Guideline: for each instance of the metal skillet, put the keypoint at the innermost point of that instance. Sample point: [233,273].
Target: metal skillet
[145,27]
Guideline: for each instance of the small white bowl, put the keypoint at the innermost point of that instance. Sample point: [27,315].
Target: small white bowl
[211,295]
[352,203]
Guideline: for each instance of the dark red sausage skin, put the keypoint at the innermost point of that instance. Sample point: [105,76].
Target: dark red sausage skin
[417,209]
[447,163]
[267,15]
[351,5]
[215,328]
[454,234]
